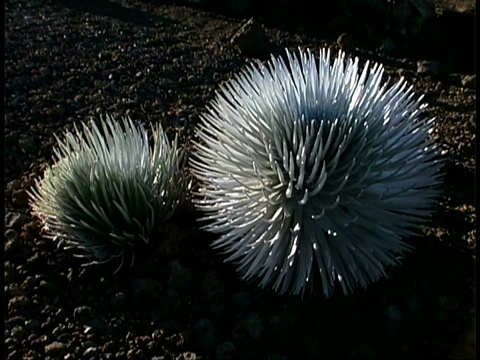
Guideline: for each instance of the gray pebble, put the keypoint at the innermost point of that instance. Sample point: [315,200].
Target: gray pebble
[9,272]
[19,303]
[427,67]
[120,355]
[108,347]
[12,242]
[469,81]
[58,330]
[91,351]
[29,284]
[38,339]
[14,290]
[18,332]
[14,355]
[56,348]
[16,320]
[82,313]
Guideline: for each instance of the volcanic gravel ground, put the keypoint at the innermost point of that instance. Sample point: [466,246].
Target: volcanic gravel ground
[66,61]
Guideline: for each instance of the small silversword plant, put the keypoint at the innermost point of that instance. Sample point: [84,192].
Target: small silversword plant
[109,187]
[315,168]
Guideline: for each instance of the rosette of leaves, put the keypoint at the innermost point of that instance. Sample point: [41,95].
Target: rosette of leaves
[109,188]
[314,168]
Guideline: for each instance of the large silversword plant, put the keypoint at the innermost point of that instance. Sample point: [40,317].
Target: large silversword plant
[311,168]
[109,188]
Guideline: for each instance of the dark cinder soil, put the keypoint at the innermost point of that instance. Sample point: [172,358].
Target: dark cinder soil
[66,61]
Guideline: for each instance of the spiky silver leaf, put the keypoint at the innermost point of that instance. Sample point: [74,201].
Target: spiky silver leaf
[305,165]
[108,188]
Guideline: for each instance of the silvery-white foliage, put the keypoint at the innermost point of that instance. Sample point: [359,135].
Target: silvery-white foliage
[314,167]
[109,188]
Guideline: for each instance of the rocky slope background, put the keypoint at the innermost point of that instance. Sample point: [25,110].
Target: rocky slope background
[66,61]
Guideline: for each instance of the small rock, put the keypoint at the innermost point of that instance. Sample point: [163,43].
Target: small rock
[14,355]
[12,240]
[427,67]
[96,326]
[251,40]
[109,347]
[48,325]
[56,348]
[29,284]
[14,290]
[226,351]
[78,98]
[60,314]
[16,320]
[345,42]
[38,341]
[30,230]
[46,288]
[19,303]
[89,352]
[9,272]
[469,81]
[33,355]
[120,355]
[82,313]
[59,330]
[18,332]
[15,220]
